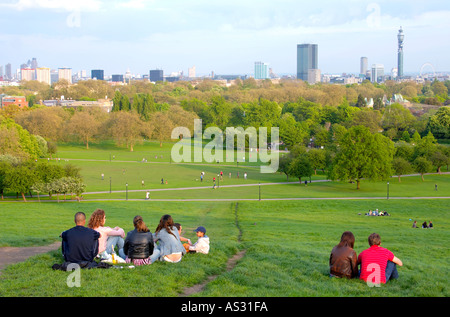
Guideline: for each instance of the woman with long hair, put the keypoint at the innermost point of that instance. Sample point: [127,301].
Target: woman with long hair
[169,248]
[109,237]
[139,243]
[343,259]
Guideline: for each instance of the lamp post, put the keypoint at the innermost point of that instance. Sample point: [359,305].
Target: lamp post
[259,191]
[127,189]
[387,190]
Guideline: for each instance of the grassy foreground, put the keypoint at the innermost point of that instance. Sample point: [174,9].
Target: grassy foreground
[287,247]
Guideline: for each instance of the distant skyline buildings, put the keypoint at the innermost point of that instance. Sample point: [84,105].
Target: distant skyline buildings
[97,74]
[307,60]
[261,70]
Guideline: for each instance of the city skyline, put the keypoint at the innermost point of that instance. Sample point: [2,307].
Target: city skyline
[221,37]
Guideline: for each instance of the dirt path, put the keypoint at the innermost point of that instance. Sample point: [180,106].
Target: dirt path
[11,255]
[231,263]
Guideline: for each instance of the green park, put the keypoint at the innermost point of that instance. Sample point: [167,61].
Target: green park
[271,233]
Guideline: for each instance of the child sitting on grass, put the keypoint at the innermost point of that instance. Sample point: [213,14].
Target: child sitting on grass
[202,244]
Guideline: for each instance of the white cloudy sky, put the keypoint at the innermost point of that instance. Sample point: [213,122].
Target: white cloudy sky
[226,37]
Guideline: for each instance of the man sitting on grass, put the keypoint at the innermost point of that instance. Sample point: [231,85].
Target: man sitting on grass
[80,244]
[378,264]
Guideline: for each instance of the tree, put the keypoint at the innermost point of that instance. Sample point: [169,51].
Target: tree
[361,102]
[401,167]
[439,123]
[126,128]
[301,167]
[4,169]
[284,165]
[363,155]
[85,126]
[422,165]
[20,179]
[162,126]
[317,159]
[438,159]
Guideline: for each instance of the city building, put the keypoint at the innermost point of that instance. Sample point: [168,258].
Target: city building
[19,101]
[377,75]
[156,75]
[313,76]
[27,74]
[97,74]
[307,58]
[8,73]
[191,72]
[401,38]
[261,70]
[43,75]
[117,78]
[65,73]
[364,66]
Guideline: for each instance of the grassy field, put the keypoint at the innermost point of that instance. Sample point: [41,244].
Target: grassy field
[287,242]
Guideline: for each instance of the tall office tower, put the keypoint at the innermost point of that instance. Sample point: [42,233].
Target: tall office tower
[8,74]
[27,74]
[65,73]
[401,38]
[377,73]
[97,74]
[307,58]
[43,75]
[1,71]
[156,75]
[364,66]
[191,72]
[34,63]
[261,70]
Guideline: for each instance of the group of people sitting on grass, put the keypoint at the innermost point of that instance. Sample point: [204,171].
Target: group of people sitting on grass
[377,213]
[424,225]
[98,243]
[377,265]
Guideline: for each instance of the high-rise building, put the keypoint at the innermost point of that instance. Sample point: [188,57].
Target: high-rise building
[377,73]
[191,72]
[34,63]
[261,70]
[43,75]
[313,76]
[8,73]
[401,38]
[364,66]
[156,75]
[307,58]
[65,73]
[27,74]
[97,74]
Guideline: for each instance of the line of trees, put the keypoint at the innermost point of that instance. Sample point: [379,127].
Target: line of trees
[24,177]
[357,154]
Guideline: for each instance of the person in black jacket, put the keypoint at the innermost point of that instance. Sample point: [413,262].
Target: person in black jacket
[139,243]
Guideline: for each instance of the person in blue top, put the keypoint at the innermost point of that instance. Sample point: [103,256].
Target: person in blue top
[169,247]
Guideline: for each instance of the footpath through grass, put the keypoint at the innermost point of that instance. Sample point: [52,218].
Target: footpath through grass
[288,245]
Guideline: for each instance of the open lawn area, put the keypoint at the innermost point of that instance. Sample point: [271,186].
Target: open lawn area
[287,245]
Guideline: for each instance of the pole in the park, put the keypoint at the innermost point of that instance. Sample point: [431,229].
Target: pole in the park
[127,190]
[259,191]
[110,184]
[388,191]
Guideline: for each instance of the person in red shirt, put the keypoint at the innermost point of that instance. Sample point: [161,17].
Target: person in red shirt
[378,264]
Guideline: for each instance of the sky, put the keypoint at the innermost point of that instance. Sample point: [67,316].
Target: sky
[226,37]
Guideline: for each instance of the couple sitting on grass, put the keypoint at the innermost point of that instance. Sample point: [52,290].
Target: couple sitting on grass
[82,244]
[378,265]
